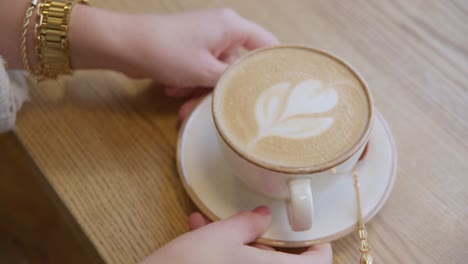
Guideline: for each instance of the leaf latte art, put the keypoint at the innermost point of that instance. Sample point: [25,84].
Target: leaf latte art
[290,112]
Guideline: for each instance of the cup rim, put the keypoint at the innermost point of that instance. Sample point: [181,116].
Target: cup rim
[294,169]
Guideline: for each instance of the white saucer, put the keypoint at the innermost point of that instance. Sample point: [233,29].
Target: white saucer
[208,180]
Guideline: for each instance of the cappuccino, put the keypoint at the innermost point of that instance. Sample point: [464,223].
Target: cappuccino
[291,107]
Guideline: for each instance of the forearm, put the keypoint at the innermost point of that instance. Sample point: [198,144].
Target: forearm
[95,38]
[101,39]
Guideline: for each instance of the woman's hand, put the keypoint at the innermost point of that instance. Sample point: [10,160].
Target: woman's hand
[227,242]
[193,49]
[190,49]
[182,50]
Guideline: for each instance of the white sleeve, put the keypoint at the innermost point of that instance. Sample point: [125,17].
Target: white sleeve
[12,96]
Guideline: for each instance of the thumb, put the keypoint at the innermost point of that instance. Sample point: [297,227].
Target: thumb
[211,71]
[244,227]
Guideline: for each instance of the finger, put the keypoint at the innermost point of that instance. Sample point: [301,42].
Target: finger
[197,220]
[187,108]
[178,91]
[257,36]
[261,246]
[211,71]
[230,57]
[190,105]
[244,227]
[364,152]
[319,254]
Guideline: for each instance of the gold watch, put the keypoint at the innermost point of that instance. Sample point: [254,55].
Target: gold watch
[52,41]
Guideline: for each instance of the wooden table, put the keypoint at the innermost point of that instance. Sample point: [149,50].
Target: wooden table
[105,144]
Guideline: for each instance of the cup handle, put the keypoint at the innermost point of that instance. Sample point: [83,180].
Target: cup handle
[300,207]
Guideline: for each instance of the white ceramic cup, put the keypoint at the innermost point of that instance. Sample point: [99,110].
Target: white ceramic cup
[293,186]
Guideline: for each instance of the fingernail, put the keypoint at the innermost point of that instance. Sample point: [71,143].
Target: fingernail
[262,210]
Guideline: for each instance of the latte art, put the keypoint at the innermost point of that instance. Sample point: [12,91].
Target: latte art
[290,112]
[291,107]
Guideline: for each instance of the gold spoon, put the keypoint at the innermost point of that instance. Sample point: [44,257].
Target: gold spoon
[365,249]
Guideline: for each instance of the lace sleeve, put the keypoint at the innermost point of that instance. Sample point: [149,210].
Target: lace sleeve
[12,96]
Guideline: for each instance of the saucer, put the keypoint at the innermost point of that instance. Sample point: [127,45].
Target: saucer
[218,194]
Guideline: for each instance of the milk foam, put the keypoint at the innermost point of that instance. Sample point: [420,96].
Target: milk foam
[290,111]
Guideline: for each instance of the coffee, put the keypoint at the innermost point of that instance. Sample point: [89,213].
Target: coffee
[291,107]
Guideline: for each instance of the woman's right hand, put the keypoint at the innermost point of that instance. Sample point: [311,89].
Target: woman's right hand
[230,242]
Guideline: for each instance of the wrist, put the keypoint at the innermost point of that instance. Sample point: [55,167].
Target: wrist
[140,43]
[94,39]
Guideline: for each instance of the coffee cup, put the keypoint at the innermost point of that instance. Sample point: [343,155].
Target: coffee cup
[286,114]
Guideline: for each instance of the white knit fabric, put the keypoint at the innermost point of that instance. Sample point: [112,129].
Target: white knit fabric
[12,96]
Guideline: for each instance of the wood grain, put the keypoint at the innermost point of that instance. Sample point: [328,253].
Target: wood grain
[106,144]
[33,229]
